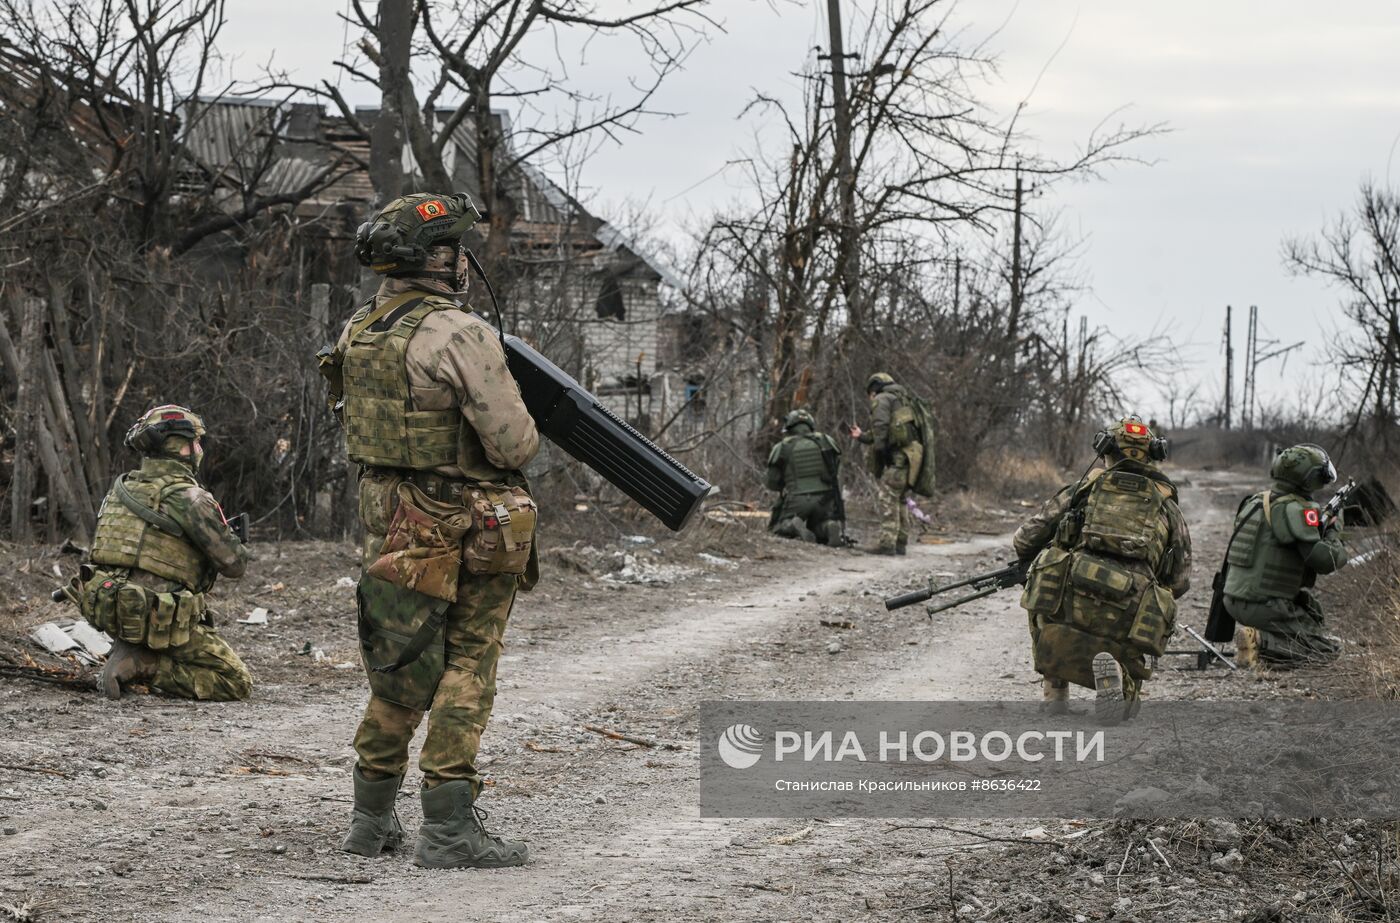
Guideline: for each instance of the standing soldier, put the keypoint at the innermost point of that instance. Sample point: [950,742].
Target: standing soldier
[1280,545]
[1107,558]
[896,455]
[432,413]
[806,466]
[161,542]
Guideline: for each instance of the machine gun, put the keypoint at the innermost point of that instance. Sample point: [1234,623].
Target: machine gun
[982,585]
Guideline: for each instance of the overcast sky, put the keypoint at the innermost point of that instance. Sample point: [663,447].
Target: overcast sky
[1278,110]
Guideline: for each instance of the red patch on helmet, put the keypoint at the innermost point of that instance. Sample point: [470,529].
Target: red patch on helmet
[432,209]
[1312,517]
[1136,429]
[172,415]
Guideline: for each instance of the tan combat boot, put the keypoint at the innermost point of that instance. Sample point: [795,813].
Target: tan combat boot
[1246,647]
[126,663]
[1054,696]
[1108,689]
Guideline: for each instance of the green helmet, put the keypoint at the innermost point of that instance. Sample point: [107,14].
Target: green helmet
[397,238]
[879,382]
[148,434]
[798,417]
[1305,466]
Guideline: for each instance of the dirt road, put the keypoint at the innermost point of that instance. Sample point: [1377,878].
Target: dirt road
[157,810]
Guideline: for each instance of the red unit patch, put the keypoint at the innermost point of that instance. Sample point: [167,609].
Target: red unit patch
[432,209]
[1312,518]
[1136,429]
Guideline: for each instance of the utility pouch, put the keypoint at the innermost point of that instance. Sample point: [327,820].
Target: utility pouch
[423,548]
[330,363]
[503,530]
[401,642]
[133,613]
[1155,619]
[902,427]
[99,605]
[1045,582]
[1104,598]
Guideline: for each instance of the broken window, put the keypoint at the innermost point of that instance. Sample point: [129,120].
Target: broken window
[610,302]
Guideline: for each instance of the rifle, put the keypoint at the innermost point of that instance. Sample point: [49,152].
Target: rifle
[1337,505]
[983,585]
[1203,658]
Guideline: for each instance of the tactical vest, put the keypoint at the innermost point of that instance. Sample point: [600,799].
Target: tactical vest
[804,469]
[125,539]
[381,426]
[1260,566]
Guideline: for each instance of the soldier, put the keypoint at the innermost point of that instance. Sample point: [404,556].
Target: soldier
[895,457]
[1107,558]
[1280,545]
[432,413]
[806,466]
[161,542]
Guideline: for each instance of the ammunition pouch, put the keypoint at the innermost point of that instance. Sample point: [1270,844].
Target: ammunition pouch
[139,615]
[1046,581]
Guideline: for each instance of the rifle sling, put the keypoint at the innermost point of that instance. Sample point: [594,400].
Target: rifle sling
[156,518]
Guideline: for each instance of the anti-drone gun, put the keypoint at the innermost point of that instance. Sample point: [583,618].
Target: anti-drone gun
[983,585]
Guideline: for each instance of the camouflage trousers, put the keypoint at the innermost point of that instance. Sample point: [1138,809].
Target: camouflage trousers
[1072,660]
[895,519]
[205,668]
[1288,631]
[472,641]
[811,517]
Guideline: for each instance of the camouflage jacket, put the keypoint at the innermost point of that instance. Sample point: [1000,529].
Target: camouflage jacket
[455,360]
[1039,531]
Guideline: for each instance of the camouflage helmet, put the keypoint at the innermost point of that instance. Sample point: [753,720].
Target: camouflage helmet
[798,417]
[397,238]
[1305,466]
[879,382]
[1133,438]
[148,434]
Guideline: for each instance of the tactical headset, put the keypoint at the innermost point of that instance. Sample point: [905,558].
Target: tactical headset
[148,437]
[1104,441]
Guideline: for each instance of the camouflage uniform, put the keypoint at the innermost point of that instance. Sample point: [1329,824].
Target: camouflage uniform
[1280,547]
[454,362]
[1100,594]
[891,460]
[146,585]
[433,414]
[805,466]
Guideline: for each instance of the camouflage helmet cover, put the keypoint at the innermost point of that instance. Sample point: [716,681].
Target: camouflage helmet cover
[879,381]
[1133,438]
[149,433]
[397,238]
[1306,466]
[798,417]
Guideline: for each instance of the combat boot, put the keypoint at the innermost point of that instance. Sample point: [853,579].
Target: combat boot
[1246,647]
[374,825]
[902,546]
[126,663]
[1054,699]
[1108,689]
[452,835]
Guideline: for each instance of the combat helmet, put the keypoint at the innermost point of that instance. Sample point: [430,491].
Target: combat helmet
[1306,467]
[1133,438]
[148,434]
[878,382]
[396,240]
[797,418]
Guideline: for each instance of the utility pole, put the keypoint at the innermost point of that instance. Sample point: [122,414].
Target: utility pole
[1251,364]
[957,287]
[1013,328]
[1229,367]
[845,175]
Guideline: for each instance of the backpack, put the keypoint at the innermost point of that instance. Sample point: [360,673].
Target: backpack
[923,481]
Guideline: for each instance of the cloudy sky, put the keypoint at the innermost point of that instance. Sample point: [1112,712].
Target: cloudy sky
[1278,110]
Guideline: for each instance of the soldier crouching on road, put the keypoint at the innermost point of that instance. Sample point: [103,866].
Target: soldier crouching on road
[1108,557]
[432,413]
[1281,543]
[161,542]
[806,468]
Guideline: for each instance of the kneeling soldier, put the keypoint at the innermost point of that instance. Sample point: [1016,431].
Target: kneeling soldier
[161,542]
[1280,545]
[806,467]
[1110,556]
